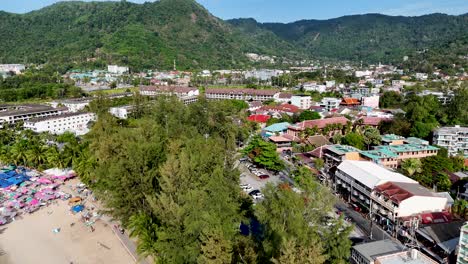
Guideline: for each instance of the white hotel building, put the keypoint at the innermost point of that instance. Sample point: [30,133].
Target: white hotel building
[76,123]
[12,115]
[384,193]
[241,94]
[455,139]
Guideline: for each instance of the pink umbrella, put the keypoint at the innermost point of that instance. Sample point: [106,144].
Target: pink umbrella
[33,202]
[44,181]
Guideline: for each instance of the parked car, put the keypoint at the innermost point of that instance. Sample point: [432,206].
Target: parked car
[254,192]
[356,208]
[243,159]
[258,196]
[264,176]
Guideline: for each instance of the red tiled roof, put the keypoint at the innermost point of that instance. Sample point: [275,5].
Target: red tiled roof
[373,121]
[320,123]
[350,101]
[287,108]
[259,118]
[290,137]
[397,191]
[177,89]
[240,91]
[279,139]
[285,95]
[318,152]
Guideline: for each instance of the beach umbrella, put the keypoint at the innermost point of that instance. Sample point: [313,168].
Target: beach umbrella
[78,208]
[34,202]
[44,181]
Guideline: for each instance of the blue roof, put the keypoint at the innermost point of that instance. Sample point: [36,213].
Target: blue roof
[278,127]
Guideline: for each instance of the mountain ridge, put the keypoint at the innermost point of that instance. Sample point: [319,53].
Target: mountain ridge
[154,34]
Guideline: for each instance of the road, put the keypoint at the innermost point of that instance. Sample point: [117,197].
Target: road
[362,223]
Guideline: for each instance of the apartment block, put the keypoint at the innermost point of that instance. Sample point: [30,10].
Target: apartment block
[76,123]
[241,94]
[14,114]
[455,139]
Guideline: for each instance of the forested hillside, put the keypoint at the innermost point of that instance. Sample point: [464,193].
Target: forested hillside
[142,36]
[371,37]
[153,35]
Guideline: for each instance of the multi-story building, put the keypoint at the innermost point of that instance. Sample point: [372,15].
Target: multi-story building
[73,105]
[387,195]
[391,156]
[283,98]
[16,68]
[188,99]
[179,91]
[444,98]
[76,123]
[371,101]
[301,101]
[463,245]
[335,154]
[455,139]
[241,94]
[122,112]
[387,252]
[26,112]
[330,103]
[116,69]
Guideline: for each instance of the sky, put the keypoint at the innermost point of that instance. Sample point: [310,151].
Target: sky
[293,10]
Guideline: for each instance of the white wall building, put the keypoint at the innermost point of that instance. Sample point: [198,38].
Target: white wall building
[330,84]
[301,101]
[241,94]
[116,69]
[121,112]
[313,86]
[16,68]
[72,105]
[26,112]
[388,194]
[76,123]
[371,101]
[330,103]
[455,139]
[443,98]
[360,74]
[179,91]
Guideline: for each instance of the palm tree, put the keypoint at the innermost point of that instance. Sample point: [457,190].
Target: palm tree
[371,136]
[19,152]
[357,125]
[84,165]
[411,166]
[54,158]
[36,155]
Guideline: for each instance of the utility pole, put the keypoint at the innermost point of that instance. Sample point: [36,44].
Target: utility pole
[370,217]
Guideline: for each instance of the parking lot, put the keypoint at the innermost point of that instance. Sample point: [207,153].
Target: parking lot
[253,180]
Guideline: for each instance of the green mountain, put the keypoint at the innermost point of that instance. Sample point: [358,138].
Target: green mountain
[371,37]
[140,35]
[155,34]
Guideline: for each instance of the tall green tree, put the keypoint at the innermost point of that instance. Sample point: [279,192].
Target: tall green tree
[264,153]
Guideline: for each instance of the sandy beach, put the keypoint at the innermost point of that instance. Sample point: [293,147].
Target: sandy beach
[31,240]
